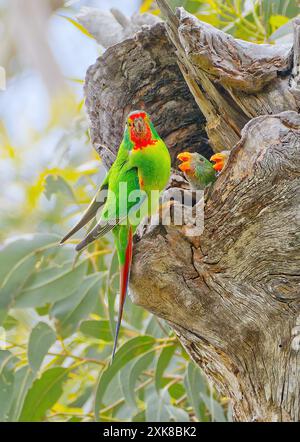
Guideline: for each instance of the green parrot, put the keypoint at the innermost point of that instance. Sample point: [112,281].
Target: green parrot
[198,170]
[133,185]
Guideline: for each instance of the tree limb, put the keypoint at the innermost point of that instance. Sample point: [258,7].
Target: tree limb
[231,293]
[232,80]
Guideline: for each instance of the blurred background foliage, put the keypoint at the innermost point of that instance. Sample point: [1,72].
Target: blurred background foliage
[260,21]
[57,312]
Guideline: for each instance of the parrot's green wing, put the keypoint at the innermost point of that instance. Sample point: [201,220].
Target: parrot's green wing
[90,212]
[112,213]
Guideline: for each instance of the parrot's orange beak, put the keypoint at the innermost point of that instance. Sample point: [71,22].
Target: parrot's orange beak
[185,166]
[219,160]
[184,156]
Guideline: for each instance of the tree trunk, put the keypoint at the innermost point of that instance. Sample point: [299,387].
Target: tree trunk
[232,293]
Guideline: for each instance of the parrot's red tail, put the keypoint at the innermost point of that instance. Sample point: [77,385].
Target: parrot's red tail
[124,279]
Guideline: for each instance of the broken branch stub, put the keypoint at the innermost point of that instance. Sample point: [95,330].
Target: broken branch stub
[232,80]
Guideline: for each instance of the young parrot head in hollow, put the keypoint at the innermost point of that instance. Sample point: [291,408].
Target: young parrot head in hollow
[197,169]
[220,159]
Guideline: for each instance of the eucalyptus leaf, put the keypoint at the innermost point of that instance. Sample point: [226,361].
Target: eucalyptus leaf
[12,253]
[76,307]
[7,378]
[97,329]
[215,409]
[177,391]
[155,327]
[130,375]
[177,414]
[15,284]
[156,408]
[130,350]
[195,384]
[139,417]
[42,337]
[24,378]
[163,361]
[43,394]
[51,286]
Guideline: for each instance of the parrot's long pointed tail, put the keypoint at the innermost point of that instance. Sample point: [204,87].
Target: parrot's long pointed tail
[124,279]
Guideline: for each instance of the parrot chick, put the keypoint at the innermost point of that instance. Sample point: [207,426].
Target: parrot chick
[220,159]
[197,169]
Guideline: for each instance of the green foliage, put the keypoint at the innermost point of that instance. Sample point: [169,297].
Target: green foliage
[255,21]
[40,340]
[163,361]
[59,334]
[7,363]
[58,311]
[43,394]
[130,350]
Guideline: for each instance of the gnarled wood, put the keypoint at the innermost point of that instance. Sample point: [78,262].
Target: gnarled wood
[142,72]
[232,293]
[232,80]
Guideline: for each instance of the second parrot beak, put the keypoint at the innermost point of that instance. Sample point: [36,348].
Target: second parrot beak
[185,166]
[185,157]
[219,160]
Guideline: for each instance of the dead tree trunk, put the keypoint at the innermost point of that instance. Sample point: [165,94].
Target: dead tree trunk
[232,294]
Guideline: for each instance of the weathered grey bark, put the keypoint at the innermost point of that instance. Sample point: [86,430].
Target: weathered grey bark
[231,294]
[142,72]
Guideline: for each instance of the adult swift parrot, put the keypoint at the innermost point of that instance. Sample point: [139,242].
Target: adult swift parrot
[133,184]
[197,169]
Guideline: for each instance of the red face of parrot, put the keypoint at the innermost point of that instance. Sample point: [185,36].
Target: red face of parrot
[139,130]
[219,159]
[185,166]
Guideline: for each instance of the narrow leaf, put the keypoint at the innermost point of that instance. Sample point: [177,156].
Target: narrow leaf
[50,288]
[14,252]
[76,307]
[97,329]
[43,394]
[162,363]
[41,338]
[24,378]
[177,414]
[215,409]
[130,350]
[7,378]
[130,377]
[195,384]
[156,409]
